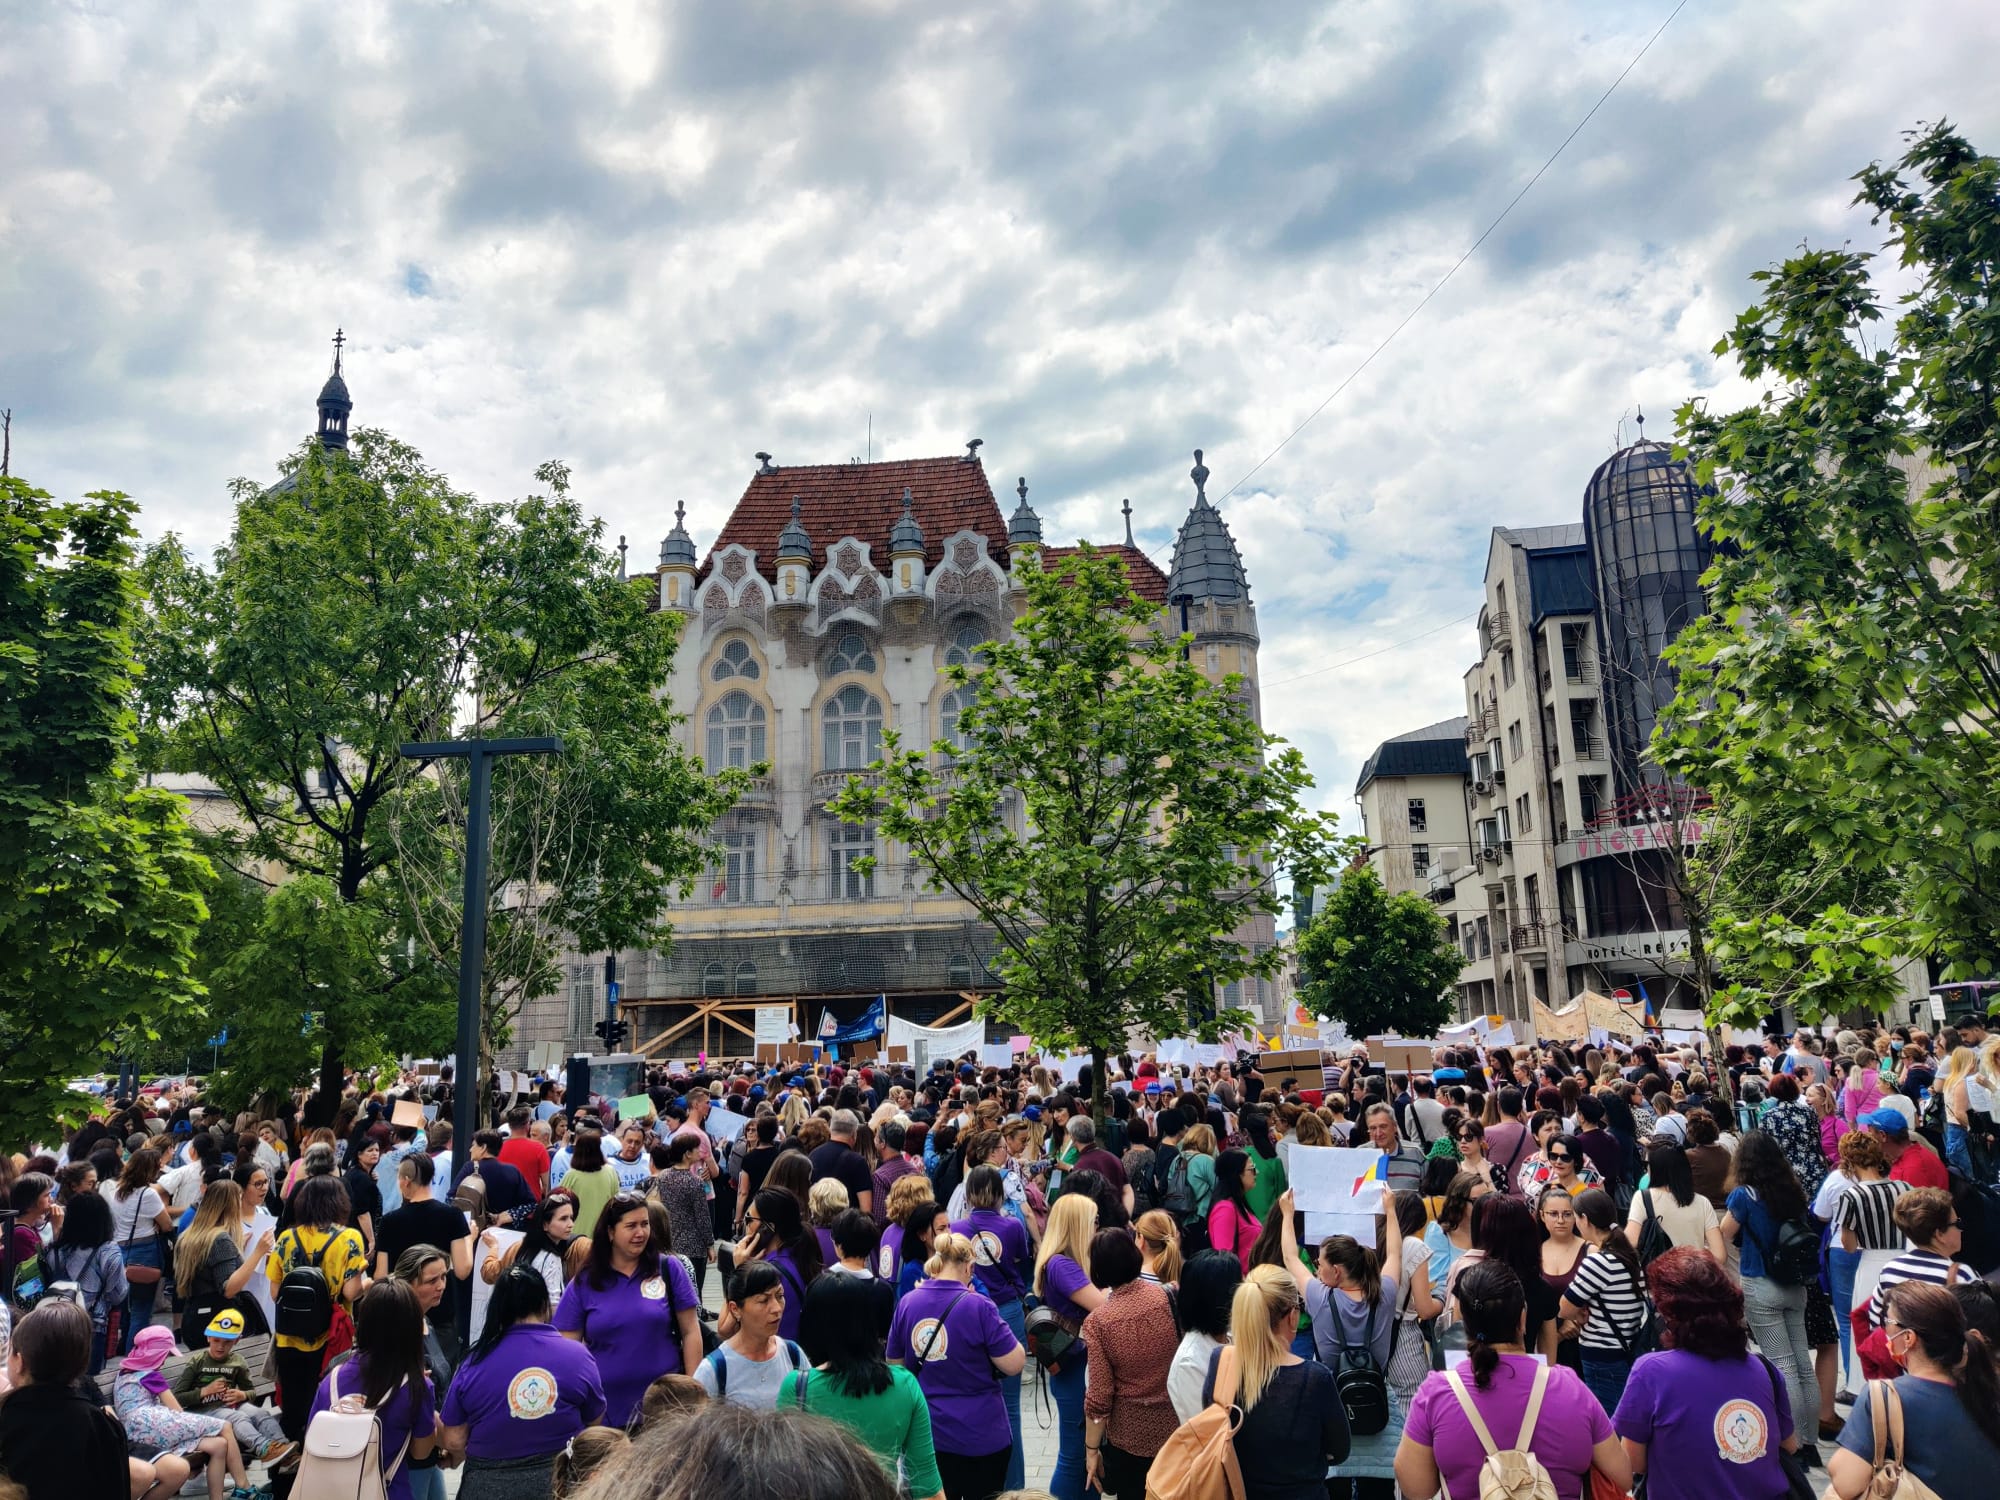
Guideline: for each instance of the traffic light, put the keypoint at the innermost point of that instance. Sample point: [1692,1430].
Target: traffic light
[611,1033]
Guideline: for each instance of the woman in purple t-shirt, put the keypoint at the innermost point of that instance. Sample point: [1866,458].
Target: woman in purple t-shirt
[632,1308]
[1062,1281]
[1716,1414]
[1571,1435]
[387,1377]
[775,1231]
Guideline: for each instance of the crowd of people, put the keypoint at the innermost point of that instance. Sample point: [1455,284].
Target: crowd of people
[1712,1273]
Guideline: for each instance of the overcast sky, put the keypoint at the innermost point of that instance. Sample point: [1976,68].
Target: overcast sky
[653,239]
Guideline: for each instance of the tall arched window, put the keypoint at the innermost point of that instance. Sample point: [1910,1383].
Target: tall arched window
[960,974]
[735,733]
[714,980]
[850,654]
[955,703]
[735,661]
[746,978]
[965,650]
[852,724]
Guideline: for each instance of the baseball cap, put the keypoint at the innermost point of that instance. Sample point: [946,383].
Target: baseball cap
[227,1324]
[1888,1121]
[1153,1087]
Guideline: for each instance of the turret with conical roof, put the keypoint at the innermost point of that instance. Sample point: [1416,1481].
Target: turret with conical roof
[334,402]
[795,550]
[677,564]
[906,550]
[1206,562]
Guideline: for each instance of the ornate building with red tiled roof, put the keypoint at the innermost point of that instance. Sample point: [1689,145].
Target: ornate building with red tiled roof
[821,619]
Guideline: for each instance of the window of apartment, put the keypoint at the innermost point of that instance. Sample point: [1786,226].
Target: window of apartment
[1583,727]
[735,661]
[1420,860]
[1417,816]
[733,875]
[850,654]
[1485,938]
[1574,641]
[1214,657]
[852,728]
[714,980]
[1514,740]
[1522,820]
[1506,667]
[848,843]
[582,998]
[1531,895]
[959,975]
[965,648]
[746,978]
[955,703]
[735,733]
[1506,828]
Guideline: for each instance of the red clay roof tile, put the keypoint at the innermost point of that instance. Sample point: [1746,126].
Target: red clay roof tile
[1148,582]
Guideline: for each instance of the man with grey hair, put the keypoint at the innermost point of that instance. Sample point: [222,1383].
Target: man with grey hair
[839,1160]
[1405,1163]
[1091,1157]
[890,1137]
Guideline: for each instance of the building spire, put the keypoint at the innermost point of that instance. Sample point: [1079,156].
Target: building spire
[1199,474]
[339,338]
[1127,508]
[334,402]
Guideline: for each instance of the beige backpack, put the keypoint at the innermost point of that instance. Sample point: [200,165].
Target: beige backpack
[1888,1479]
[1199,1461]
[1515,1473]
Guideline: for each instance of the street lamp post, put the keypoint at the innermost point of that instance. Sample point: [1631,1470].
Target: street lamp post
[480,754]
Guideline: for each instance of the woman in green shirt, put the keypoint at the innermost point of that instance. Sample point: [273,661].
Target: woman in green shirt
[1270,1184]
[881,1404]
[1198,1149]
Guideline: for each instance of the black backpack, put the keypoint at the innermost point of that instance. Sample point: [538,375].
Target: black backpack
[1791,1257]
[304,1303]
[1654,1241]
[1364,1389]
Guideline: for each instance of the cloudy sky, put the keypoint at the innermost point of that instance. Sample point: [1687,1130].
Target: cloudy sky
[652,239]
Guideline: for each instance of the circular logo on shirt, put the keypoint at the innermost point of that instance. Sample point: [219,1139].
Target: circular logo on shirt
[927,1347]
[531,1394]
[1741,1432]
[887,1258]
[986,1249]
[654,1289]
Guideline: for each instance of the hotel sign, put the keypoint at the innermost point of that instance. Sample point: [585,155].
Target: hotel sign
[1598,842]
[1669,947]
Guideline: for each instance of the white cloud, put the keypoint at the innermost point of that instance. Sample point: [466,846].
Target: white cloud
[652,241]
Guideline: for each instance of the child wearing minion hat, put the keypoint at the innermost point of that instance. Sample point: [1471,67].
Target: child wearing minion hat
[216,1382]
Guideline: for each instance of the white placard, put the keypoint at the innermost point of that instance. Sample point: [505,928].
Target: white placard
[1336,1179]
[1173,1050]
[725,1124]
[482,1293]
[1358,1227]
[930,1043]
[1501,1036]
[996,1055]
[1207,1054]
[774,1025]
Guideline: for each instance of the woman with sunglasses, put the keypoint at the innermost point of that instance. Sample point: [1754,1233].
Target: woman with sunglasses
[1469,1135]
[632,1308]
[1559,1163]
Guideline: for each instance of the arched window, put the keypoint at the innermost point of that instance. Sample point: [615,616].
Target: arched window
[965,648]
[849,844]
[714,980]
[955,703]
[850,654]
[746,978]
[735,733]
[735,661]
[960,976]
[852,721]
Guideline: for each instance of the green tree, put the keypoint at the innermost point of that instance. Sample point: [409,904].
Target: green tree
[364,603]
[1380,965]
[1113,815]
[99,877]
[1847,687]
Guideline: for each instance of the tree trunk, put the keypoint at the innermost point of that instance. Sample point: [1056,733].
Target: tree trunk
[1704,984]
[325,1100]
[1097,1091]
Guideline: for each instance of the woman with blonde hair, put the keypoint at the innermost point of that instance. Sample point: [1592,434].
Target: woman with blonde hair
[960,1349]
[791,1116]
[1062,1281]
[1293,1425]
[1198,1150]
[826,1200]
[1159,1247]
[1956,1087]
[210,1266]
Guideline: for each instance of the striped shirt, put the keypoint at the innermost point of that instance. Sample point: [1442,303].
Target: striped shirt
[1869,1210]
[1616,1299]
[1914,1265]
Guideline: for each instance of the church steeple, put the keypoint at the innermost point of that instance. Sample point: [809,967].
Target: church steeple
[334,402]
[1206,562]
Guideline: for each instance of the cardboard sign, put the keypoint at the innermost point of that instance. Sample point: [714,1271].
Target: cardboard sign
[1298,1060]
[864,1051]
[1400,1057]
[791,1052]
[899,1054]
[767,1052]
[407,1112]
[638,1107]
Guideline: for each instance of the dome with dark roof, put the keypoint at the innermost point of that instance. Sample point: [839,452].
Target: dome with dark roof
[335,390]
[793,541]
[1206,562]
[906,535]
[1024,527]
[678,549]
[1645,463]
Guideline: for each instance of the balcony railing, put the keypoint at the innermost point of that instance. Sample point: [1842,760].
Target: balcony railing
[1529,936]
[1589,746]
[826,785]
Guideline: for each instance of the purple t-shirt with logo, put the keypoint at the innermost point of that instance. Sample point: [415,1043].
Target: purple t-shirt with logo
[889,1254]
[1064,1278]
[956,1368]
[528,1398]
[999,1249]
[1718,1423]
[629,1329]
[401,1416]
[1571,1423]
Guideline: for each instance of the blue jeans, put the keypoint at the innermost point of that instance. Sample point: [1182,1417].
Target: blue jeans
[1840,1268]
[1010,1392]
[1605,1375]
[1066,1389]
[1958,1150]
[426,1484]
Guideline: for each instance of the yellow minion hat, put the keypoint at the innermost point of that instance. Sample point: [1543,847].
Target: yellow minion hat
[227,1324]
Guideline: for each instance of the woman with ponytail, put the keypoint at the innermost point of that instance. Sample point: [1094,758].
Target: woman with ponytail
[1571,1435]
[1605,1302]
[1293,1424]
[1949,1396]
